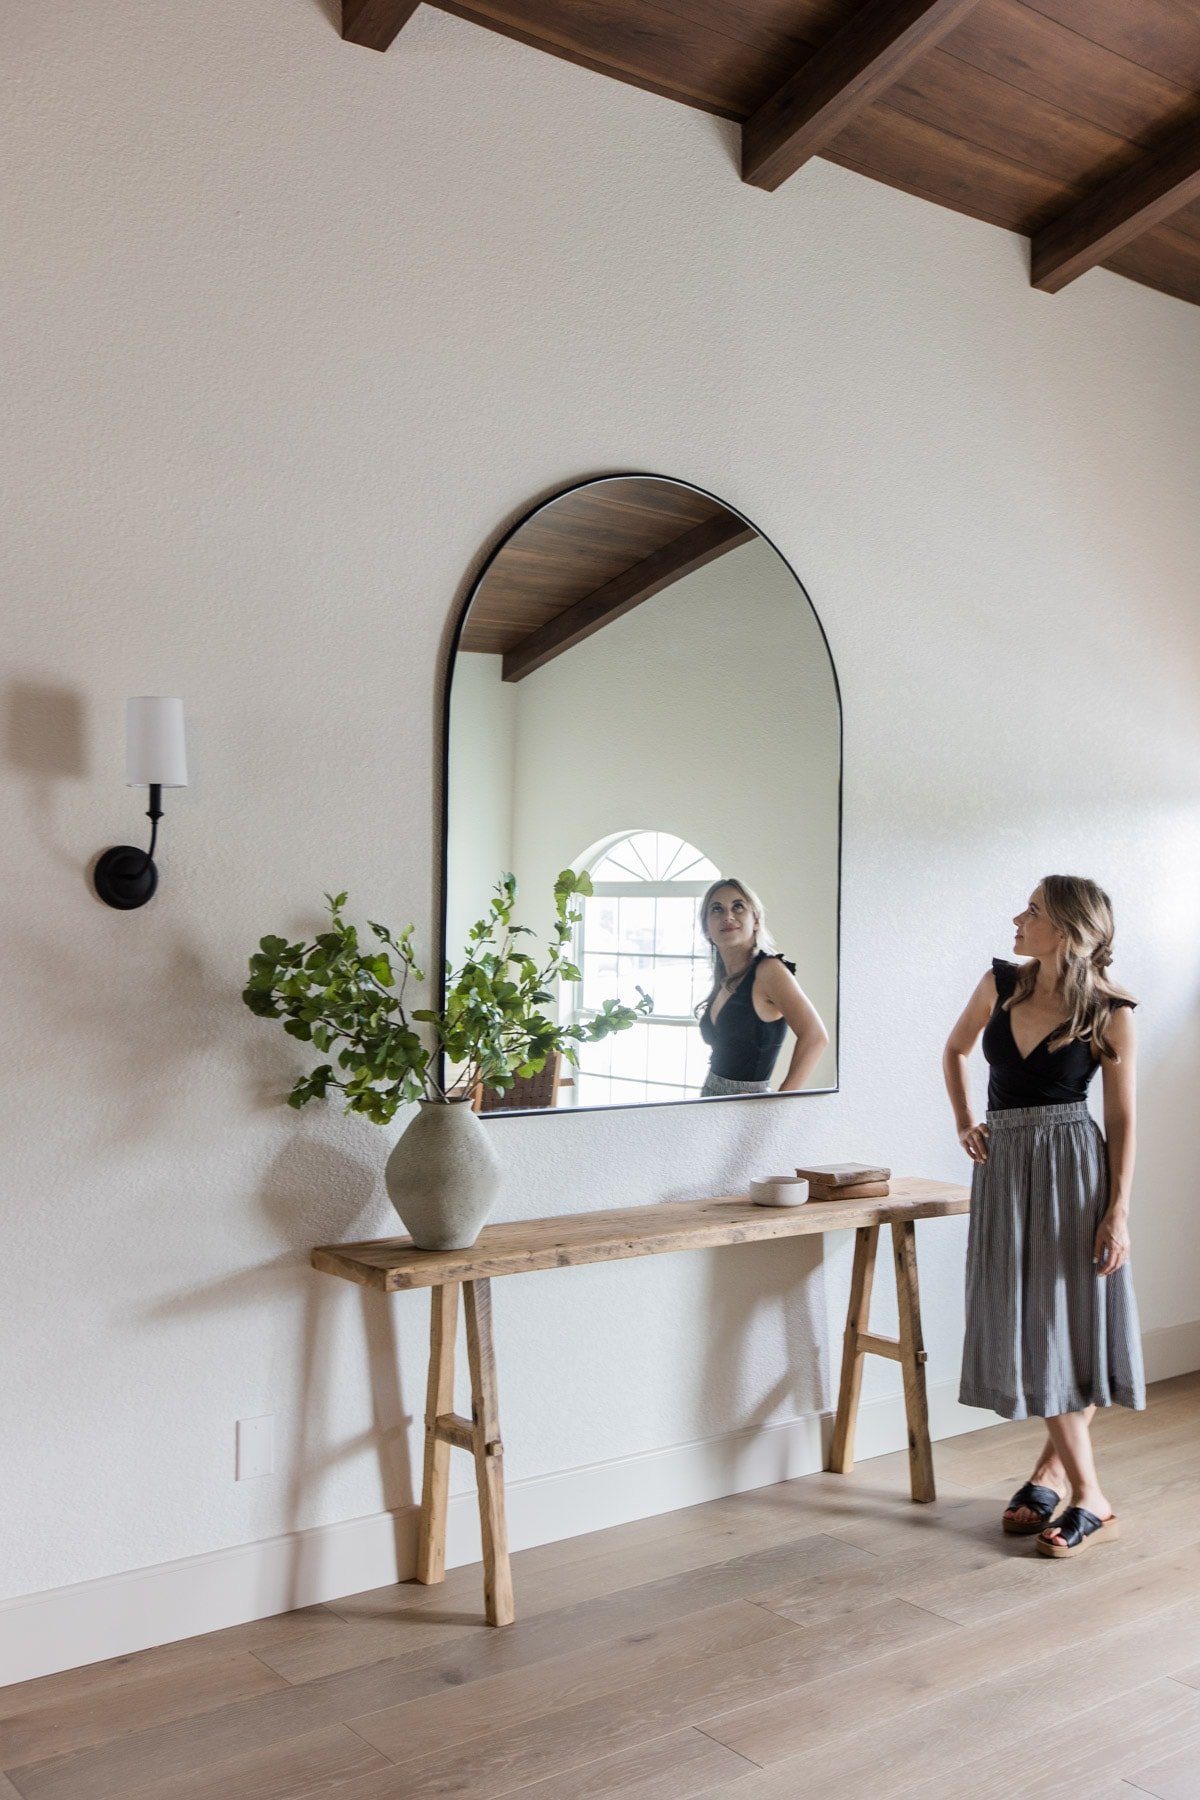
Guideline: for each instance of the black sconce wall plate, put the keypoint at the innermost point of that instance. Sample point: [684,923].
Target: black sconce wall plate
[125,877]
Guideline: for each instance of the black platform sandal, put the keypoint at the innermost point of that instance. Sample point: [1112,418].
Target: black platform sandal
[1039,1500]
[1080,1530]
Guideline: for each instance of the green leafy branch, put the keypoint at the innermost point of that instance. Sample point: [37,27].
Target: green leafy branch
[497,1023]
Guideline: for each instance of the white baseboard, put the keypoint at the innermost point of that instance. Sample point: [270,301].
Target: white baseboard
[1171,1350]
[119,1614]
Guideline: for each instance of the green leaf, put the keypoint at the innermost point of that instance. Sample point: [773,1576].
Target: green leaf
[260,1003]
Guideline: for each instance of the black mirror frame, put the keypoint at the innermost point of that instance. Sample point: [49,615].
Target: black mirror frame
[444,884]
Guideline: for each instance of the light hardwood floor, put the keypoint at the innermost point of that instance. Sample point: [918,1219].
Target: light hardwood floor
[824,1639]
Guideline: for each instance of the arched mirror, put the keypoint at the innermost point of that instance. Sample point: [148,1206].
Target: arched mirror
[641,692]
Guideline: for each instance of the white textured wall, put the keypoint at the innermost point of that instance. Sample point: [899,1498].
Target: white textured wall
[290,331]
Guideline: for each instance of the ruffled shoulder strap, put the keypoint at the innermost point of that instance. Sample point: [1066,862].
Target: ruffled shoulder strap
[1006,976]
[789,966]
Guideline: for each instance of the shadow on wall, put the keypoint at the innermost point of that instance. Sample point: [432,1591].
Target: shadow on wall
[45,740]
[137,1029]
[782,1282]
[315,1193]
[43,729]
[784,1279]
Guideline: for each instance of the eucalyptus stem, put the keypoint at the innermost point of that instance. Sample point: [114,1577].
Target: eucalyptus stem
[493,1022]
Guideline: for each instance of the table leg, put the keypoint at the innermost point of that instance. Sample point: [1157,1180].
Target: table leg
[489,1454]
[439,1401]
[841,1454]
[912,1360]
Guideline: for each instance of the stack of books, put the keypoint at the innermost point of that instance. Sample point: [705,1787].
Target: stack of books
[847,1181]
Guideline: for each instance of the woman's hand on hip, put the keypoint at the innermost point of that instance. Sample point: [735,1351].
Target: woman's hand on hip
[1111,1249]
[974,1140]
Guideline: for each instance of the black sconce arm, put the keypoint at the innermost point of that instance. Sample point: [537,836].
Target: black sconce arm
[126,877]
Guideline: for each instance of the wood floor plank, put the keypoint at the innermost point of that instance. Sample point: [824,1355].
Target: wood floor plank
[315,1763]
[985,1594]
[1172,1777]
[939,1748]
[1117,1610]
[163,1659]
[670,1768]
[401,1621]
[500,1702]
[571,1737]
[1158,1720]
[177,1748]
[899,1576]
[411,1630]
[91,1719]
[183,1746]
[880,1527]
[1002,1456]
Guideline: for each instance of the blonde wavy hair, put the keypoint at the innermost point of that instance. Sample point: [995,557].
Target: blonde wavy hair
[1082,911]
[763,941]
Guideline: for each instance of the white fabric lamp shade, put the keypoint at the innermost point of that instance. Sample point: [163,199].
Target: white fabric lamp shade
[155,752]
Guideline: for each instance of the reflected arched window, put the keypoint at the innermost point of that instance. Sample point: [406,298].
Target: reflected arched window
[640,928]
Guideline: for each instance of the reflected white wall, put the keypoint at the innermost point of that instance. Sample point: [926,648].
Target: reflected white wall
[480,779]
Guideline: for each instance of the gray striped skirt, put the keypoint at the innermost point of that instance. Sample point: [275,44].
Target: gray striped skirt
[1045,1333]
[717,1085]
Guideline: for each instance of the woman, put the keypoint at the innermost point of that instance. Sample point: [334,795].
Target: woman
[754,998]
[1052,1327]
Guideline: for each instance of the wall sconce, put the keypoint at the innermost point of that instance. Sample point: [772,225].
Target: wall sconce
[155,757]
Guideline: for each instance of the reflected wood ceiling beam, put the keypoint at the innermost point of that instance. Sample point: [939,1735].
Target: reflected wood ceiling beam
[1105,221]
[375,23]
[869,53]
[701,545]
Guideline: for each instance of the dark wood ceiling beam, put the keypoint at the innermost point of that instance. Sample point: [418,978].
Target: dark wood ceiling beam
[1104,222]
[375,23]
[857,65]
[701,545]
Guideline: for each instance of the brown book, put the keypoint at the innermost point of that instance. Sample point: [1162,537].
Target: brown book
[840,1175]
[865,1190]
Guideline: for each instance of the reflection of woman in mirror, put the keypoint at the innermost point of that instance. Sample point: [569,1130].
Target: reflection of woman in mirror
[1052,1324]
[754,998]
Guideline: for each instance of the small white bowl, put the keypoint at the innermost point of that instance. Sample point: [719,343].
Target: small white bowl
[779,1190]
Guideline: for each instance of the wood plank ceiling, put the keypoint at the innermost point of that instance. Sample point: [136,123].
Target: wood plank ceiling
[1073,122]
[588,558]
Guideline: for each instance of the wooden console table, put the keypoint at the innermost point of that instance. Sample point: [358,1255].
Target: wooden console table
[393,1264]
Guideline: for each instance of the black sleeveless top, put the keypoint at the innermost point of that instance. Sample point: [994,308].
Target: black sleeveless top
[1043,1078]
[744,1047]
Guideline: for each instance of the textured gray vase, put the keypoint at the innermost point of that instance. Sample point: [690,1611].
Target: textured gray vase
[443,1176]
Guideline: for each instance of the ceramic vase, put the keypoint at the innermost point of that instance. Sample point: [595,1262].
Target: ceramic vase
[443,1176]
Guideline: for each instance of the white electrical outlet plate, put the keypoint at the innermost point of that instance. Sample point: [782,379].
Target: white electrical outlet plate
[255,1447]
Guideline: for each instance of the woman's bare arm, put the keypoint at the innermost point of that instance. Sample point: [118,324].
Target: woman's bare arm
[1120,1128]
[959,1045]
[777,985]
